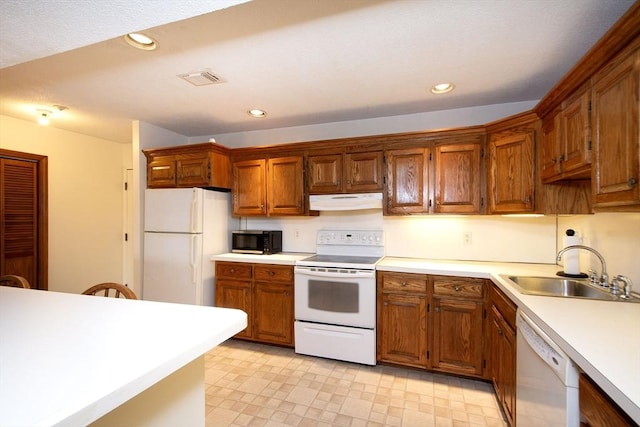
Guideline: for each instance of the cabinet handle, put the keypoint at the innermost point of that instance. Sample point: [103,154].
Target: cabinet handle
[633,182]
[233,270]
[554,161]
[561,159]
[403,284]
[271,273]
[457,288]
[437,309]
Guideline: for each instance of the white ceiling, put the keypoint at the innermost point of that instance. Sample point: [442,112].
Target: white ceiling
[304,61]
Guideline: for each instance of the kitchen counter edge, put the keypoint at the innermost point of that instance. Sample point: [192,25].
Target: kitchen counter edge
[283,258]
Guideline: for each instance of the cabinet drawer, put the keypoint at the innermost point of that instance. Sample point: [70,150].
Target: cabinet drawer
[458,287]
[236,270]
[276,273]
[504,305]
[404,282]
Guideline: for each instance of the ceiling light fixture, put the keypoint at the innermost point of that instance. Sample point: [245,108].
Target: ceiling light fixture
[43,116]
[141,41]
[441,88]
[257,113]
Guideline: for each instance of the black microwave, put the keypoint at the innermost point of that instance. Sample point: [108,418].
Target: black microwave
[264,242]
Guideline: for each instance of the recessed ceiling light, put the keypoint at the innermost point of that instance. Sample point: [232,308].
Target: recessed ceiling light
[256,112]
[43,116]
[441,88]
[141,41]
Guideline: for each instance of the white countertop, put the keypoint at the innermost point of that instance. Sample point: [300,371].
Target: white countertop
[601,337]
[69,359]
[284,258]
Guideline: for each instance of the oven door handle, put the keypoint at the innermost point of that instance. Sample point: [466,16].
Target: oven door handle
[357,274]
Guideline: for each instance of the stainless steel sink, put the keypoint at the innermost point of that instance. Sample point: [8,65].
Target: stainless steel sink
[559,287]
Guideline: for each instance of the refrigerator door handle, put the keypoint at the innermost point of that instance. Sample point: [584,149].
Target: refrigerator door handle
[194,211]
[192,256]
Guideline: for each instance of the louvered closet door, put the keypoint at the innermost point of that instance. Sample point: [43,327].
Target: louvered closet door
[18,219]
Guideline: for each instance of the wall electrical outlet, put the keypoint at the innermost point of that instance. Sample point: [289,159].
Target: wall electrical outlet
[466,238]
[296,233]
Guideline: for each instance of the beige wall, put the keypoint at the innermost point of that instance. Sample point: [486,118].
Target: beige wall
[85,201]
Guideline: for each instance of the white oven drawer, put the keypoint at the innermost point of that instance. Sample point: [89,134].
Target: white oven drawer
[336,342]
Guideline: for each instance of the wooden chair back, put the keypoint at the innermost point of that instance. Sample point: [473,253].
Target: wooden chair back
[104,289]
[14,281]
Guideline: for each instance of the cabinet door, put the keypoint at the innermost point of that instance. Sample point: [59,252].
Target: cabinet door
[457,178]
[363,172]
[236,294]
[510,178]
[161,173]
[575,149]
[457,336]
[249,188]
[551,148]
[407,181]
[193,172]
[503,363]
[285,186]
[403,335]
[273,305]
[615,113]
[325,174]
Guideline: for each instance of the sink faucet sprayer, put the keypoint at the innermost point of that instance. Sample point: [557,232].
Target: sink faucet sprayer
[604,277]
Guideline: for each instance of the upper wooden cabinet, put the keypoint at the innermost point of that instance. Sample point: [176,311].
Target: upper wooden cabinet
[407,181]
[345,172]
[615,120]
[566,140]
[198,165]
[249,189]
[266,187]
[510,171]
[443,176]
[458,178]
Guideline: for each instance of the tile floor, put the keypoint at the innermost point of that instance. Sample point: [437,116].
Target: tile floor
[249,384]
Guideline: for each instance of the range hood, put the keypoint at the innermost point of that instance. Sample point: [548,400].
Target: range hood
[345,202]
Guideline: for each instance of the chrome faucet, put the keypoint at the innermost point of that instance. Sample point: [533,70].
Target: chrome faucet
[604,277]
[626,292]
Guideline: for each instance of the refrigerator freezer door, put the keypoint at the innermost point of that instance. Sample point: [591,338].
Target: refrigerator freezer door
[173,269]
[173,210]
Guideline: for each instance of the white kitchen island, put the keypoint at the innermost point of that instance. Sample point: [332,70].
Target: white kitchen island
[71,360]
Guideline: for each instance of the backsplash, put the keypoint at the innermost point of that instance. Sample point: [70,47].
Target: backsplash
[477,238]
[470,238]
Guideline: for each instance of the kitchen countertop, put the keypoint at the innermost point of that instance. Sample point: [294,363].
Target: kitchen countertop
[284,258]
[68,359]
[601,337]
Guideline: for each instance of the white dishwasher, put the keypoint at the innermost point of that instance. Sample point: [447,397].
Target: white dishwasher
[546,380]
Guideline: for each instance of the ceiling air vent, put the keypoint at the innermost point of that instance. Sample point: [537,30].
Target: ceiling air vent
[201,79]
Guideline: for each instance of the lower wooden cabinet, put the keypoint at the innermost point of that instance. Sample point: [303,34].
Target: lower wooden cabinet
[432,322]
[502,360]
[597,409]
[264,292]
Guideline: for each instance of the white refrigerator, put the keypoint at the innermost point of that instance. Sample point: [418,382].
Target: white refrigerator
[183,228]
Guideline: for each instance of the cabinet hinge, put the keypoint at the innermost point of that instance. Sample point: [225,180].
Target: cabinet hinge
[126,184]
[384,179]
[484,313]
[126,237]
[589,145]
[430,156]
[428,308]
[428,355]
[484,363]
[482,201]
[429,202]
[482,153]
[589,106]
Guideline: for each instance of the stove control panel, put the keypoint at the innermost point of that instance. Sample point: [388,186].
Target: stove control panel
[351,237]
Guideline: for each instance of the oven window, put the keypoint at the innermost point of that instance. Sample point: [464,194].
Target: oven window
[337,297]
